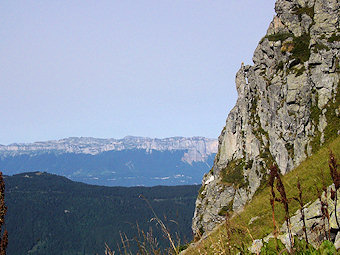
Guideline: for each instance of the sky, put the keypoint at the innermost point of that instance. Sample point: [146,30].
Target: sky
[108,69]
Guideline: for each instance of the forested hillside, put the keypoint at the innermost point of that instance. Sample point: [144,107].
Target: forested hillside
[49,214]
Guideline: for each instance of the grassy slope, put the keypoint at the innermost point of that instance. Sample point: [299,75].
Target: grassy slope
[310,173]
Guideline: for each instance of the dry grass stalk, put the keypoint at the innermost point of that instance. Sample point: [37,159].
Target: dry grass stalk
[146,242]
[324,213]
[166,232]
[274,175]
[123,243]
[300,201]
[228,229]
[336,180]
[108,251]
[324,207]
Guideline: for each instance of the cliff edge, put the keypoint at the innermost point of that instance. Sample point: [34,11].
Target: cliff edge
[288,106]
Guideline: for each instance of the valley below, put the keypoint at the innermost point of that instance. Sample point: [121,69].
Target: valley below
[50,214]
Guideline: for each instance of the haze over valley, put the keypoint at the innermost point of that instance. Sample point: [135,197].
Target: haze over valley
[131,161]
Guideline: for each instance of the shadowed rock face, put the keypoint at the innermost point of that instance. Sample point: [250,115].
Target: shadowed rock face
[288,105]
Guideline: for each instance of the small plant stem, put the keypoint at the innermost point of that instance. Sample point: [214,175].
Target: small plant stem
[336,180]
[272,176]
[163,227]
[300,200]
[336,212]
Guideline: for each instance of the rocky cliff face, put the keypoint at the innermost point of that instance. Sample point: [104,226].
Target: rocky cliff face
[199,148]
[288,105]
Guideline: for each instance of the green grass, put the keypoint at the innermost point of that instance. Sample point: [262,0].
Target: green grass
[319,46]
[337,64]
[301,48]
[300,45]
[279,36]
[304,10]
[333,121]
[233,173]
[334,38]
[309,173]
[299,71]
[226,209]
[280,66]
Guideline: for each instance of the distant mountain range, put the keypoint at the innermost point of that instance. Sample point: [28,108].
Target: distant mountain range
[129,161]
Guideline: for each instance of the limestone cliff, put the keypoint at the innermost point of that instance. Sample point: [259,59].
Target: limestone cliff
[198,148]
[288,105]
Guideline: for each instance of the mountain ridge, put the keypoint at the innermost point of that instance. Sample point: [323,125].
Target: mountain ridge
[131,161]
[199,148]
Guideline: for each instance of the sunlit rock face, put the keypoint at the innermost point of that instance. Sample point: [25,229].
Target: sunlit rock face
[288,105]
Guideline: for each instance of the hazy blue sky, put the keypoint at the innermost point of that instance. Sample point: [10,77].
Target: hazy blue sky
[156,68]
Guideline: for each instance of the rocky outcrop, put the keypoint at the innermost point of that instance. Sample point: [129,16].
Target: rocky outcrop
[198,148]
[318,226]
[288,105]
